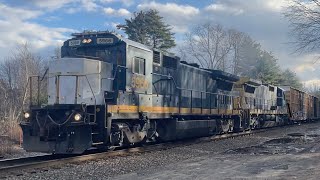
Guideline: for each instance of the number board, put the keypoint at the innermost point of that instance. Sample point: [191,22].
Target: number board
[104,40]
[74,43]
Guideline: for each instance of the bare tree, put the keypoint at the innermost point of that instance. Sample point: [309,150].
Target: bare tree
[209,45]
[236,40]
[314,89]
[14,72]
[214,47]
[304,19]
[56,53]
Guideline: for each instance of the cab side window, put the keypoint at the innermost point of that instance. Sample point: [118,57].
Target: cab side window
[139,65]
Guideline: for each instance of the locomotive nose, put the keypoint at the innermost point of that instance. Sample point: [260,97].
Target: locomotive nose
[56,131]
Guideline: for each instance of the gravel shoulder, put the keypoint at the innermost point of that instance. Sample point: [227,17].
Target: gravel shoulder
[283,153]
[10,149]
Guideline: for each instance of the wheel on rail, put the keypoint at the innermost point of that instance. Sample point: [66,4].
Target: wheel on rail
[111,148]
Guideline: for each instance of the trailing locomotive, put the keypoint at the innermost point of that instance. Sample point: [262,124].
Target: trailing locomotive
[107,91]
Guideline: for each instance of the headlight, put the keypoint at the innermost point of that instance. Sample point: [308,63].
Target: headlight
[26,115]
[86,41]
[77,117]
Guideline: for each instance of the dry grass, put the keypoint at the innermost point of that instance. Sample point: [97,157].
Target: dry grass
[6,146]
[9,137]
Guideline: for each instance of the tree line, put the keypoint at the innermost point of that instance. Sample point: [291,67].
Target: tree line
[304,24]
[14,73]
[212,46]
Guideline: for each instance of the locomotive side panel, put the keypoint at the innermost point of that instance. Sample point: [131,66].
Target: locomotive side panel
[139,70]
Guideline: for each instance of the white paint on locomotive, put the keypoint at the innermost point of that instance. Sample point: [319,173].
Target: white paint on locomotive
[78,81]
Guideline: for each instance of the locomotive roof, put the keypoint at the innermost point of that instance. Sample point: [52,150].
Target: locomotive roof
[218,74]
[108,33]
[249,81]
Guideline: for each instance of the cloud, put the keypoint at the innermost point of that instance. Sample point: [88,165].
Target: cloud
[112,26]
[120,12]
[171,8]
[178,16]
[224,9]
[51,4]
[312,83]
[82,5]
[306,64]
[107,1]
[18,29]
[305,67]
[15,13]
[52,18]
[123,12]
[89,5]
[34,34]
[109,10]
[277,5]
[239,6]
[124,2]
[71,6]
[262,20]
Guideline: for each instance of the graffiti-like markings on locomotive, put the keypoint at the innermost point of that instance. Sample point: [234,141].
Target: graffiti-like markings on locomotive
[139,82]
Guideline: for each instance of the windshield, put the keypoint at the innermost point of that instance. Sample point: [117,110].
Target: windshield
[113,55]
[104,54]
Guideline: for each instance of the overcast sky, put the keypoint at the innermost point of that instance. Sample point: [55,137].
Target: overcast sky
[45,24]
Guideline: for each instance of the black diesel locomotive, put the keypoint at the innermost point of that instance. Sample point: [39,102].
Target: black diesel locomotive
[107,91]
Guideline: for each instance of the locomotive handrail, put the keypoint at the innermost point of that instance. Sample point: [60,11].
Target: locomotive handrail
[172,78]
[95,101]
[84,75]
[92,57]
[251,104]
[24,96]
[29,82]
[169,77]
[115,72]
[45,73]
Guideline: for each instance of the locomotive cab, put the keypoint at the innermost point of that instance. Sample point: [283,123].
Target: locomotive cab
[99,74]
[70,116]
[74,104]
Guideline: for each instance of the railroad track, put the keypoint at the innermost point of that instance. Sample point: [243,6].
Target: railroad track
[33,164]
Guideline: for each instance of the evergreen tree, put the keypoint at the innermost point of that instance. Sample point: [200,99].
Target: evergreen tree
[257,63]
[267,69]
[147,27]
[289,78]
[250,52]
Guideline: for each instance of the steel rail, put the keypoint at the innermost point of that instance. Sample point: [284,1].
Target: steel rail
[14,161]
